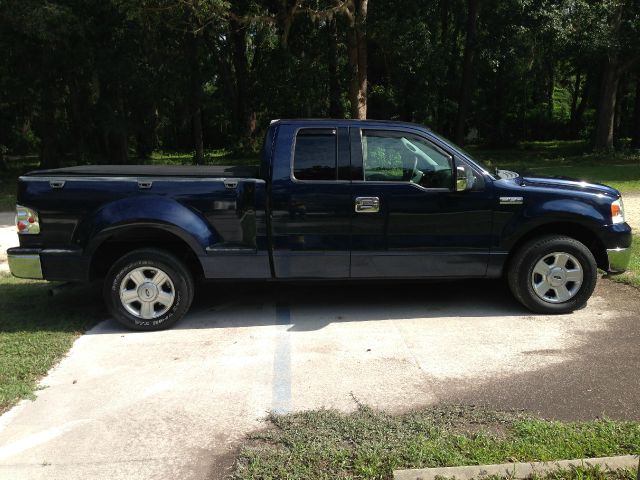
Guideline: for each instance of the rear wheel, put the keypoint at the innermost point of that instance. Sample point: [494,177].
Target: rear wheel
[553,274]
[148,289]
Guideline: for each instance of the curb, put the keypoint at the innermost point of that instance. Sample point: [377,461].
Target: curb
[515,470]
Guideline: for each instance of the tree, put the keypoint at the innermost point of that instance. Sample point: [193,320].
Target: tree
[607,31]
[464,97]
[635,139]
[357,46]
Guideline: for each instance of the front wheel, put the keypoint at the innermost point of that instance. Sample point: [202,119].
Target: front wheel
[148,289]
[553,274]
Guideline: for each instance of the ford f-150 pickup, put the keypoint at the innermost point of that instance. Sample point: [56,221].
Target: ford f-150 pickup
[331,199]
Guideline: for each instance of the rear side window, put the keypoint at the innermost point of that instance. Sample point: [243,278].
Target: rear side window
[315,155]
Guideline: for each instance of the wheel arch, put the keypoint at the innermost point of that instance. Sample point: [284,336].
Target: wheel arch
[115,242]
[579,232]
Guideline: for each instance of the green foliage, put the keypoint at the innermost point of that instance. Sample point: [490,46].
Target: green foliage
[326,444]
[114,80]
[34,335]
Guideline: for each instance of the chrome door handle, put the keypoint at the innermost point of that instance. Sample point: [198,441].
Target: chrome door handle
[367,204]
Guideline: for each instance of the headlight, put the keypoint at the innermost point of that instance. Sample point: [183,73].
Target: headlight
[27,221]
[617,211]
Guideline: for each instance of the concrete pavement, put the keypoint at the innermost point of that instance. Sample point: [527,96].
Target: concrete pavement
[632,210]
[8,237]
[175,404]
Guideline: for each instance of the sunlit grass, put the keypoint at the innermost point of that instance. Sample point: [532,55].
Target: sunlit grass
[369,444]
[36,330]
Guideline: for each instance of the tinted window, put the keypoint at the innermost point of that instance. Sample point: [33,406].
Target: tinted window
[315,155]
[399,157]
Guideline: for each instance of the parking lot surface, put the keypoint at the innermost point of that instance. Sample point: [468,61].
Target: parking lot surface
[175,404]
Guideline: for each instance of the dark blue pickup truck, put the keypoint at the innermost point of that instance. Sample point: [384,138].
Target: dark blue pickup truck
[331,199]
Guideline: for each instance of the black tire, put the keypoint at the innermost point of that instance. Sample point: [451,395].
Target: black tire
[181,288]
[521,269]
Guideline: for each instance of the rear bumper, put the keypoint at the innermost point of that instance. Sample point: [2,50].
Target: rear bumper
[619,259]
[25,265]
[48,264]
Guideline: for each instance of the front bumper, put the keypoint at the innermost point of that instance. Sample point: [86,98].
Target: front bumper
[25,265]
[619,259]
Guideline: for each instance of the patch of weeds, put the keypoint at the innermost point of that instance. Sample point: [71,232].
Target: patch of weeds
[370,444]
[36,330]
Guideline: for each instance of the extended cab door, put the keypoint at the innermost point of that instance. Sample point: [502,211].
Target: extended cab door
[408,219]
[311,202]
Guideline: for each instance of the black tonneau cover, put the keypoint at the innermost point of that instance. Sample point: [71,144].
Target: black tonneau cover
[209,171]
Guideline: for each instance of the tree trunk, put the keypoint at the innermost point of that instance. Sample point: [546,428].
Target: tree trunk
[78,108]
[48,145]
[241,66]
[443,86]
[550,87]
[357,47]
[226,77]
[198,142]
[145,122]
[576,122]
[635,135]
[498,133]
[3,161]
[464,98]
[195,98]
[607,106]
[335,109]
[118,145]
[575,96]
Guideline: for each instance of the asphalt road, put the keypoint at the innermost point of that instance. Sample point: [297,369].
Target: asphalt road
[175,404]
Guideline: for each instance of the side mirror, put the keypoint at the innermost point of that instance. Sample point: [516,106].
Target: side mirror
[462,179]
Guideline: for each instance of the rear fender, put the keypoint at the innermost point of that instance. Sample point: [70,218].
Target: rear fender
[146,211]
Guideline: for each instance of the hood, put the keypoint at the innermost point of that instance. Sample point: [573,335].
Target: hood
[566,183]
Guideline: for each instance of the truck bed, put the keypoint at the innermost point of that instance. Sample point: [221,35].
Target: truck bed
[205,171]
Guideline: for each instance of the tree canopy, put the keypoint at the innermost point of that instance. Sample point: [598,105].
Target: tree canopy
[117,79]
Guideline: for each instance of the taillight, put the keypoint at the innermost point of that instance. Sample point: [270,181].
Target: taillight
[27,221]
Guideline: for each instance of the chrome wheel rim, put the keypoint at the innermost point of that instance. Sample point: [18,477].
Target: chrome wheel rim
[557,277]
[147,292]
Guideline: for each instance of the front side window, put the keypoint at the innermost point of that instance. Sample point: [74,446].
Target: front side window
[403,157]
[315,155]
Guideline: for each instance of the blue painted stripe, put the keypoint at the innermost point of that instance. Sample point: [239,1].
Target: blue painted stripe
[282,362]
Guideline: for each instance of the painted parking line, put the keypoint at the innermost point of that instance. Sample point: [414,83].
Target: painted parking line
[281,395]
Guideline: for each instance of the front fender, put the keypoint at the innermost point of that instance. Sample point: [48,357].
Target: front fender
[559,211]
[148,210]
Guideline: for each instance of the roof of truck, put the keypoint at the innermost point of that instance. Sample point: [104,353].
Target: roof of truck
[349,121]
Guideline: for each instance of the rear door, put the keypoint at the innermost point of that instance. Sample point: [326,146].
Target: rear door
[409,222]
[311,202]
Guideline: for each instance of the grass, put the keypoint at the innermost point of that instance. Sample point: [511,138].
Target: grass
[620,170]
[588,473]
[368,444]
[36,330]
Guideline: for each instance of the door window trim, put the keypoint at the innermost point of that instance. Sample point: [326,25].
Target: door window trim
[335,131]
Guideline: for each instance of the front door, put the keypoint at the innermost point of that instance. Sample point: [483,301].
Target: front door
[409,221]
